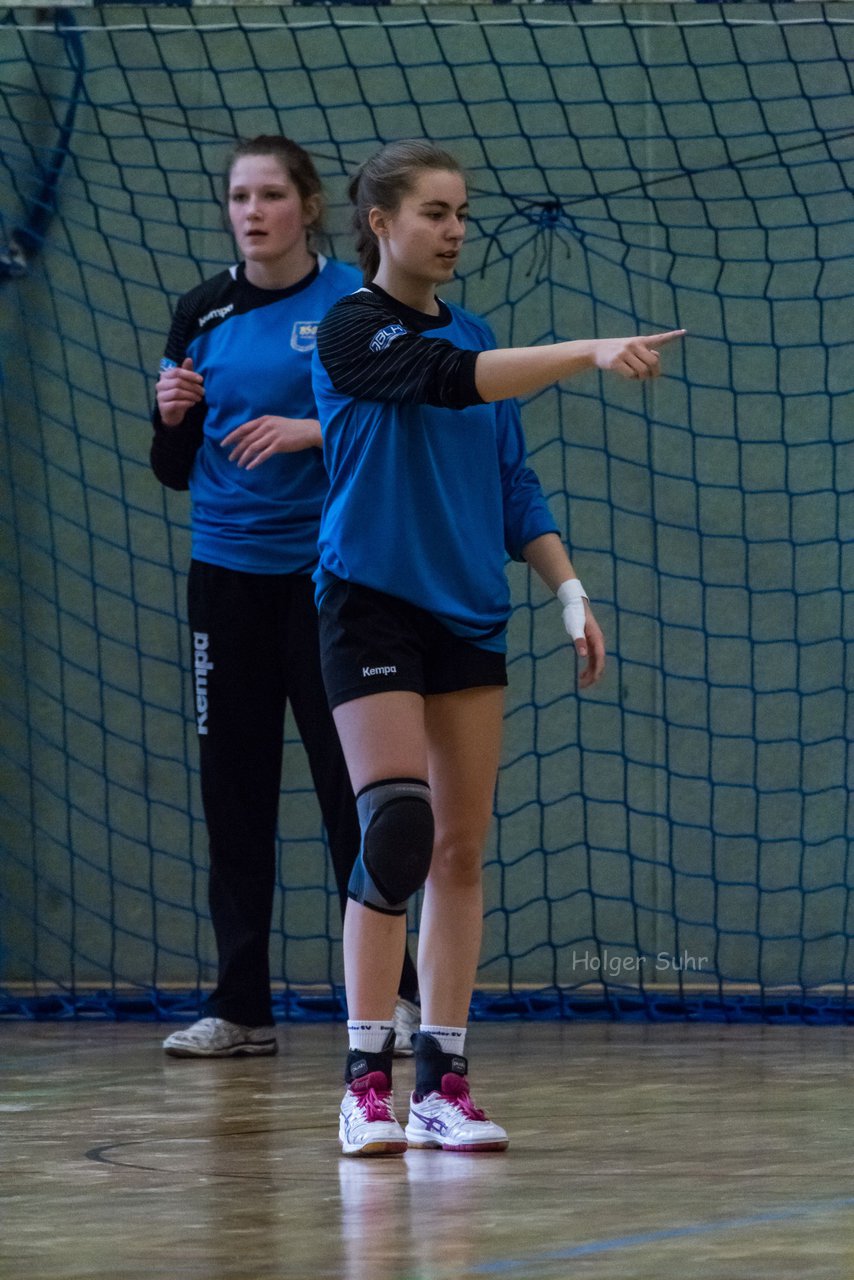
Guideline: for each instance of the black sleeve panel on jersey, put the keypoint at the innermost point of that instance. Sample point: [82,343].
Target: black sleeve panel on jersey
[406,368]
[173,449]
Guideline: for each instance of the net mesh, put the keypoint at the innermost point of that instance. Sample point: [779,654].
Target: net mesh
[676,843]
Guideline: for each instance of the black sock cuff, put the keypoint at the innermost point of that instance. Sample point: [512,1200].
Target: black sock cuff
[361,1063]
[431,1063]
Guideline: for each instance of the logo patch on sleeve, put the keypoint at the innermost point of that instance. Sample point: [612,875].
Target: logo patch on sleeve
[386,336]
[304,335]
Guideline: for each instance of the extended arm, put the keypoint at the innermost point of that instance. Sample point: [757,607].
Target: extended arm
[522,371]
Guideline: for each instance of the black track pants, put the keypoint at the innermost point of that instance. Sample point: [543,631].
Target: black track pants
[255,648]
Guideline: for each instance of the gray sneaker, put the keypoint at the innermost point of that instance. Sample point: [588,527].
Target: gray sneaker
[406,1021]
[216,1038]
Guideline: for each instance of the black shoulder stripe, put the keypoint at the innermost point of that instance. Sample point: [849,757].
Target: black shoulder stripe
[370,354]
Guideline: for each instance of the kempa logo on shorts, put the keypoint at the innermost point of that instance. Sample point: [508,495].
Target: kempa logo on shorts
[201,667]
[379,671]
[216,314]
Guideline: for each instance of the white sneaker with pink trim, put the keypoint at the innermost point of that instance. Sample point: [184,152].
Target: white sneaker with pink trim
[367,1124]
[450,1120]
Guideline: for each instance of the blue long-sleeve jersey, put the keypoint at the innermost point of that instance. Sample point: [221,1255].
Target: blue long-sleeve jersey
[253,347]
[429,487]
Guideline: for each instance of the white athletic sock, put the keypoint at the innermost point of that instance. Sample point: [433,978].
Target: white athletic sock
[368,1036]
[451,1039]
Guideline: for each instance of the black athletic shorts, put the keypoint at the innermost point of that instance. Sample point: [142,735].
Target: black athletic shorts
[371,642]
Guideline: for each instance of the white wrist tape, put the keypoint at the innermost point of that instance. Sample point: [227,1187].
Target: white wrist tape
[572,595]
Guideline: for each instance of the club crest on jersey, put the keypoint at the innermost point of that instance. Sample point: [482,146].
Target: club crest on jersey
[386,336]
[304,335]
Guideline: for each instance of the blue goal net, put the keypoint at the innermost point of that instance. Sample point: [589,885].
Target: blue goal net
[676,843]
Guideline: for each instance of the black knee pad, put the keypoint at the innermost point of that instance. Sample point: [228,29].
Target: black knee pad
[397,844]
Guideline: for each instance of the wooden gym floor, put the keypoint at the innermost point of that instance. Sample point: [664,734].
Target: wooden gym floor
[645,1151]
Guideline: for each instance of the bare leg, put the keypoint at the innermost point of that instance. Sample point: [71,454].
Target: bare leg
[383,737]
[464,745]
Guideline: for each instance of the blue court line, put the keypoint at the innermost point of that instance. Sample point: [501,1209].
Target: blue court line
[616,1243]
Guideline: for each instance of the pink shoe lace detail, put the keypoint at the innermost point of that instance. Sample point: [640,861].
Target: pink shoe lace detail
[373,1095]
[456,1089]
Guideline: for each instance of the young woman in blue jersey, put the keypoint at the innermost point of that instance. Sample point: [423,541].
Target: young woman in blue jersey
[236,423]
[429,491]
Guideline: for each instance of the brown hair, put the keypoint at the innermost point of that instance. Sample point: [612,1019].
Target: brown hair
[295,161]
[383,181]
